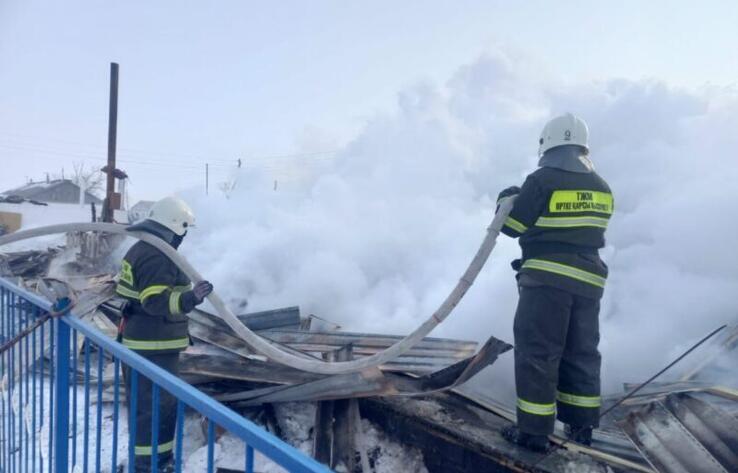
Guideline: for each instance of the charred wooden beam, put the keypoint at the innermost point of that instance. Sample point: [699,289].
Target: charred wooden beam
[325,422]
[336,426]
[323,432]
[344,426]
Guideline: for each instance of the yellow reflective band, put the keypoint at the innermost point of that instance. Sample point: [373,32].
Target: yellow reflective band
[156,344]
[126,272]
[571,222]
[174,306]
[149,450]
[581,201]
[536,409]
[565,270]
[152,291]
[124,291]
[579,401]
[515,225]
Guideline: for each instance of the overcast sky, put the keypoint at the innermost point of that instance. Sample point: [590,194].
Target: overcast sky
[215,81]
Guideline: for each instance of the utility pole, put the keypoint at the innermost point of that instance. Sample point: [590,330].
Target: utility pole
[109,205]
[207,178]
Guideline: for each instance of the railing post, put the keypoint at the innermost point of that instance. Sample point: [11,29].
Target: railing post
[61,398]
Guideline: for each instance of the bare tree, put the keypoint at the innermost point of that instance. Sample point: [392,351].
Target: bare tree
[89,179]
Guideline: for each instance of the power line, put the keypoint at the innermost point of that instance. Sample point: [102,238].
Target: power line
[50,154]
[279,170]
[97,148]
[199,159]
[98,157]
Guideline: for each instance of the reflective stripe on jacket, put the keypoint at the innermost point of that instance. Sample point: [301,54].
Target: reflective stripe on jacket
[561,218]
[153,285]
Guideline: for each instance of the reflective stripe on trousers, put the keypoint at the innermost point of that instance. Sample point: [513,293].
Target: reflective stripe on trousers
[579,401]
[173,344]
[147,450]
[546,322]
[167,408]
[536,408]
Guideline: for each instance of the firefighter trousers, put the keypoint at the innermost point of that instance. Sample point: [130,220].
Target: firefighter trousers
[167,413]
[557,364]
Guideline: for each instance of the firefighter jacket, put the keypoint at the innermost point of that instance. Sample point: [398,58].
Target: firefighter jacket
[159,296]
[560,218]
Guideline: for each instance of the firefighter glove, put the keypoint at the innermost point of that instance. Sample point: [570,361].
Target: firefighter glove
[510,191]
[201,291]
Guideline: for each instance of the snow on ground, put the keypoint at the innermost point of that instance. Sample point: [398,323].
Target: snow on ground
[295,420]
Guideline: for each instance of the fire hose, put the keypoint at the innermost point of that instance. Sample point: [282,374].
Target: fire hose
[264,346]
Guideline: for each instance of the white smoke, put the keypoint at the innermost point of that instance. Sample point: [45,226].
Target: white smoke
[377,240]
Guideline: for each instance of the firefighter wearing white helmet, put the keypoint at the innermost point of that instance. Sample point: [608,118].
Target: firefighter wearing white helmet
[158,296]
[560,216]
[173,213]
[564,130]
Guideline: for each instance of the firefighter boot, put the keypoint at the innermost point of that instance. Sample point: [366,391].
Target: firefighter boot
[168,466]
[579,434]
[165,464]
[536,443]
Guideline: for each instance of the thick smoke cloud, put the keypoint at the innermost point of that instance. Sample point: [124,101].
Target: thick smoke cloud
[377,240]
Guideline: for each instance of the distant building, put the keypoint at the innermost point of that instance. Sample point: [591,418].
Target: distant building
[139,211]
[62,191]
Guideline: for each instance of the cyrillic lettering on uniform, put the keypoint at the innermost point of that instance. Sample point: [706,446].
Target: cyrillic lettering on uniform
[571,201]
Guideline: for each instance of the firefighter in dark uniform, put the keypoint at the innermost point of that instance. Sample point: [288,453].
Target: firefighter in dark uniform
[560,216]
[158,296]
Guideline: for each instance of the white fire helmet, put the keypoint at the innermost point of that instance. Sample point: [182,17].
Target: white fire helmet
[173,213]
[566,129]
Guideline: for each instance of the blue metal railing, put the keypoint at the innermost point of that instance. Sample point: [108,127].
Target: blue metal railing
[47,398]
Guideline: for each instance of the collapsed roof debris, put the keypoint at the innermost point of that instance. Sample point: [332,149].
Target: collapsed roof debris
[686,425]
[375,382]
[684,433]
[417,399]
[27,264]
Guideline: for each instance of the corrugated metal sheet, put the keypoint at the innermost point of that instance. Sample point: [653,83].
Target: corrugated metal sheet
[683,434]
[429,355]
[373,382]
